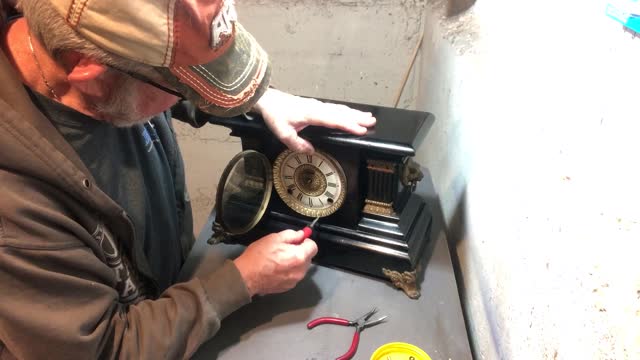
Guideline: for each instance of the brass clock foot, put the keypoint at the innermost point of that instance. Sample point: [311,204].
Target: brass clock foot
[405,281]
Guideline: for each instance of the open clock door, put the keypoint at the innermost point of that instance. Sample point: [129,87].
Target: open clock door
[243,195]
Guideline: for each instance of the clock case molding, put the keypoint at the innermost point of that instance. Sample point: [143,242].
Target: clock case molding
[382,227]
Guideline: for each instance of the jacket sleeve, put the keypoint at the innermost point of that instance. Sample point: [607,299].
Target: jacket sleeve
[60,303]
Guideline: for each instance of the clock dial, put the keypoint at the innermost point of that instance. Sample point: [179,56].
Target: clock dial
[311,185]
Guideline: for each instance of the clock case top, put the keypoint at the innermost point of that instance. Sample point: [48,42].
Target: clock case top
[364,235]
[395,133]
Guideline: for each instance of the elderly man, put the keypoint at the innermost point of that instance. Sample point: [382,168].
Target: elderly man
[95,221]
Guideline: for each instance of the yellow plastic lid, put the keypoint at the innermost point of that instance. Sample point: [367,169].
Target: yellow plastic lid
[399,351]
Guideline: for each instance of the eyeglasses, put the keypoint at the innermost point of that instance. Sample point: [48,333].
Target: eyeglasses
[150,82]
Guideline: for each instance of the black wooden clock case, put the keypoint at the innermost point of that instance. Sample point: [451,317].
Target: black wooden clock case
[382,228]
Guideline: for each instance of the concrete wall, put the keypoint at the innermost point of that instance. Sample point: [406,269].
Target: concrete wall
[535,157]
[534,152]
[353,50]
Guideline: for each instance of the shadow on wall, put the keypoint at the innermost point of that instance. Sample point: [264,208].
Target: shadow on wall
[457,7]
[456,232]
[457,228]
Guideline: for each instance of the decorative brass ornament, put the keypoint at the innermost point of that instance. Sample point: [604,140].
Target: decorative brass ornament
[378,207]
[311,185]
[411,173]
[405,281]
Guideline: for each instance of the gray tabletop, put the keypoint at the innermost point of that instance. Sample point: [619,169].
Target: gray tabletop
[274,326]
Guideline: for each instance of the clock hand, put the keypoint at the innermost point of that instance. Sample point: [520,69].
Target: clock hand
[308,230]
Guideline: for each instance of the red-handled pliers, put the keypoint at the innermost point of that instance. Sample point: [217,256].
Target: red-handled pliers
[360,323]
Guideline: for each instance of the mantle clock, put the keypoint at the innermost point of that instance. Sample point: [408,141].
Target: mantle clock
[360,187]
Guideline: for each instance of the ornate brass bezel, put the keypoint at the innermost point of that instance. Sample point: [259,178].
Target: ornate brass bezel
[293,203]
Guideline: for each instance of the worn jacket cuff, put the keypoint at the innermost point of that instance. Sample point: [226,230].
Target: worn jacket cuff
[226,289]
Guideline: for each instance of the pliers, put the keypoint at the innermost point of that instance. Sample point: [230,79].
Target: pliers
[360,324]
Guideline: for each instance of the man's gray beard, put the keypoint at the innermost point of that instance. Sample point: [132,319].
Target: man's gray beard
[120,107]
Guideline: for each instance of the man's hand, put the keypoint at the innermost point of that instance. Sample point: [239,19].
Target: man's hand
[287,114]
[276,263]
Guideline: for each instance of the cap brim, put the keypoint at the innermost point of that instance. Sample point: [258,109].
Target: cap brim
[231,83]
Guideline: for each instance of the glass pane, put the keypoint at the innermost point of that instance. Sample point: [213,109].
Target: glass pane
[245,193]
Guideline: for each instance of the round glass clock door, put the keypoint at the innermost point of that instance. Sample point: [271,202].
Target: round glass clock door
[311,185]
[243,193]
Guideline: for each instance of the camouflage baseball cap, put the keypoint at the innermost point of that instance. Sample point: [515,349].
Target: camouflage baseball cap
[198,46]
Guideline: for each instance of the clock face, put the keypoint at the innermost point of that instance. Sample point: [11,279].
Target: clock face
[311,185]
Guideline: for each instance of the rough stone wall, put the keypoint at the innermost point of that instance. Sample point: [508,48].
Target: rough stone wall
[354,50]
[534,155]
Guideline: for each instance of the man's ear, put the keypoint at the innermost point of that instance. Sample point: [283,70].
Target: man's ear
[86,76]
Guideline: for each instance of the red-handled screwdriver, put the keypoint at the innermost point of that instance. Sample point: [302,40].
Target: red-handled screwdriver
[308,230]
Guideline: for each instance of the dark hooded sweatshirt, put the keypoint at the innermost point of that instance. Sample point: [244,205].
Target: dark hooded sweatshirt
[75,281]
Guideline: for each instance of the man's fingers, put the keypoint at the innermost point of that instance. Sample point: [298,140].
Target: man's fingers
[341,117]
[338,122]
[292,236]
[296,143]
[367,121]
[309,248]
